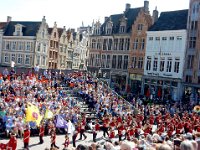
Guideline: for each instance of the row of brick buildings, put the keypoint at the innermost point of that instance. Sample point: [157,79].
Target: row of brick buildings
[158,57]
[29,43]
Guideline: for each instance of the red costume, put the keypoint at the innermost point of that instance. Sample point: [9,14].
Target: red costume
[26,136]
[112,134]
[12,144]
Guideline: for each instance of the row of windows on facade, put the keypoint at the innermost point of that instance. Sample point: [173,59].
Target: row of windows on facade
[190,62]
[171,38]
[162,68]
[110,44]
[23,59]
[18,45]
[109,29]
[117,62]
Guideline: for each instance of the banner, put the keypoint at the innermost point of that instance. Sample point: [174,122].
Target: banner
[48,114]
[60,122]
[33,114]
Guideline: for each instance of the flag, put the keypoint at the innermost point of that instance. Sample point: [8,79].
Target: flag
[48,114]
[60,122]
[33,114]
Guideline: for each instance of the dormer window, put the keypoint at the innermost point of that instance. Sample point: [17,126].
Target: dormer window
[123,22]
[18,30]
[109,27]
[122,29]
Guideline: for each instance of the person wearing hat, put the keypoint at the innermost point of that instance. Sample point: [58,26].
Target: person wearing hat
[26,137]
[41,133]
[12,144]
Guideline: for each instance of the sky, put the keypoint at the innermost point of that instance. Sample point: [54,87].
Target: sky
[71,13]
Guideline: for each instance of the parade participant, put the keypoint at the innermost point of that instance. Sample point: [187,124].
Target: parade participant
[120,130]
[82,130]
[26,137]
[41,133]
[111,134]
[75,134]
[12,144]
[105,126]
[66,143]
[96,129]
[53,139]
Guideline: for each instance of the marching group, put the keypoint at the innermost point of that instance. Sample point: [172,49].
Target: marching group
[136,126]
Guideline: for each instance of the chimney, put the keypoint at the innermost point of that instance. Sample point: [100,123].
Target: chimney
[128,6]
[105,18]
[146,6]
[9,18]
[155,15]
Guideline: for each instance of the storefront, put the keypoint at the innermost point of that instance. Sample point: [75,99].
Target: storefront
[135,83]
[191,93]
[162,88]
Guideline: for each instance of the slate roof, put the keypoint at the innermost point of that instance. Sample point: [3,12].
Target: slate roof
[60,31]
[131,16]
[171,20]
[29,28]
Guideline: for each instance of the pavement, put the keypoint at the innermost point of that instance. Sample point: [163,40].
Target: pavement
[33,144]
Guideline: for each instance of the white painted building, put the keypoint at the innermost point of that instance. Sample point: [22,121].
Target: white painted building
[165,56]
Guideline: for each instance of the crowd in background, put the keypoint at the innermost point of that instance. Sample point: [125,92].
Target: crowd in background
[136,125]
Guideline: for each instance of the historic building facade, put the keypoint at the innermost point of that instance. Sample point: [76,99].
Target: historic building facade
[62,54]
[192,66]
[165,56]
[110,46]
[138,48]
[19,42]
[53,47]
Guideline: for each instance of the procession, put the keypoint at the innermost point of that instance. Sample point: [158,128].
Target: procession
[38,105]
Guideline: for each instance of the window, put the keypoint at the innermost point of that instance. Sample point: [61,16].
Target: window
[125,62]
[13,57]
[14,44]
[54,34]
[140,62]
[140,27]
[188,79]
[93,43]
[171,38]
[103,62]
[108,61]
[114,59]
[39,45]
[135,44]
[38,60]
[99,44]
[179,37]
[27,60]
[157,38]
[28,46]
[43,32]
[115,44]
[18,30]
[192,42]
[155,64]
[164,38]
[43,60]
[194,25]
[19,59]
[127,44]
[119,64]
[169,65]
[176,66]
[150,38]
[105,42]
[122,29]
[134,62]
[20,45]
[121,44]
[148,66]
[44,48]
[6,58]
[142,44]
[190,61]
[162,64]
[7,45]
[109,44]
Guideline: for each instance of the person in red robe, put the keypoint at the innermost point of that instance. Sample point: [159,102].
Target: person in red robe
[112,134]
[12,144]
[26,137]
[120,130]
[53,139]
[96,129]
[66,143]
[41,133]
